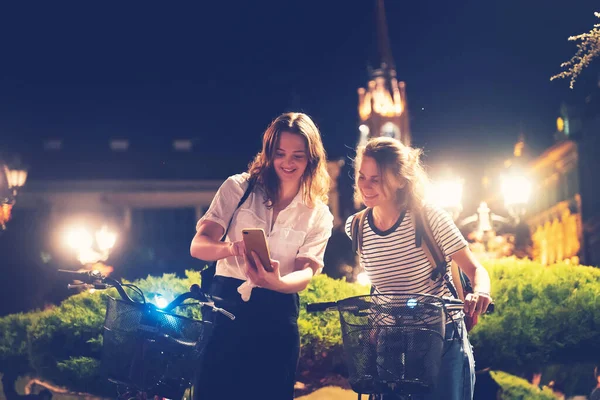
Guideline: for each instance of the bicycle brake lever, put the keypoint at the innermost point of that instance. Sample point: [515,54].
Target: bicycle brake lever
[100,286]
[79,285]
[224,312]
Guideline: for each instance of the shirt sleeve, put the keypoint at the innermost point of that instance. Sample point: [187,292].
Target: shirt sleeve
[223,204]
[317,237]
[445,231]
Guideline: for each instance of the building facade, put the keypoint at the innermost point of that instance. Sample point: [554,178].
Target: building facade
[564,216]
[554,216]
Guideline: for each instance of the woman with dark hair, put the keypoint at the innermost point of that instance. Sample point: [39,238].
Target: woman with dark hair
[255,355]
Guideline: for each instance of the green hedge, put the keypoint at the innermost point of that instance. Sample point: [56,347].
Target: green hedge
[544,315]
[66,337]
[14,354]
[515,388]
[321,331]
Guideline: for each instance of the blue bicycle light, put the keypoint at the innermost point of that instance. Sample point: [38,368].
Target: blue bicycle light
[160,301]
[412,303]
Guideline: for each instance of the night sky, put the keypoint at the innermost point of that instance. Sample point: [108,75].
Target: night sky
[477,73]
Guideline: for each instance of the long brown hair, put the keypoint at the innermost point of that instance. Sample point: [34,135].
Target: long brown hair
[315,181]
[400,167]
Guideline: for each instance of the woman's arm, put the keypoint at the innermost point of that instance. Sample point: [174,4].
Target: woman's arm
[207,245]
[478,301]
[293,282]
[308,261]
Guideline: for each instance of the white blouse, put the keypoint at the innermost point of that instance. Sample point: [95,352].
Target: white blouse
[299,231]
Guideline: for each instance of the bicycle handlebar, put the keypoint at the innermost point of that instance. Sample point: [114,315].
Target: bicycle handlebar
[450,303]
[203,299]
[318,307]
[95,280]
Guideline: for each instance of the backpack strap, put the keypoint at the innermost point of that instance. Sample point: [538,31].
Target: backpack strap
[240,203]
[457,277]
[356,229]
[425,239]
[207,274]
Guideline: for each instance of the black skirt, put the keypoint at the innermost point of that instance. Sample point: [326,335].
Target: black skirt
[255,355]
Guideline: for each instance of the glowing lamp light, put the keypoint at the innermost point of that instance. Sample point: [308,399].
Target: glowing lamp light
[79,239]
[15,178]
[516,190]
[89,248]
[364,130]
[160,301]
[363,279]
[411,303]
[447,194]
[105,239]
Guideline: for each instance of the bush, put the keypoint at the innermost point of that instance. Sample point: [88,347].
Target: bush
[544,314]
[515,388]
[321,331]
[14,354]
[66,333]
[577,379]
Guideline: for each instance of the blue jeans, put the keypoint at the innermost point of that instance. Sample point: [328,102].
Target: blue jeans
[456,378]
[457,373]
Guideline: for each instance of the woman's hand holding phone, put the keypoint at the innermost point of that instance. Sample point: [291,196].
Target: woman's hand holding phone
[258,274]
[261,270]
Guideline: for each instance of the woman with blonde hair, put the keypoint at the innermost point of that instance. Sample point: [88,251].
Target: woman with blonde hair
[284,192]
[391,182]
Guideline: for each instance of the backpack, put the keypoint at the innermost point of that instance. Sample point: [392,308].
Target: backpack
[424,239]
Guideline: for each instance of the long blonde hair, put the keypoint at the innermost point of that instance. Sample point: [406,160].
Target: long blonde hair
[400,168]
[315,181]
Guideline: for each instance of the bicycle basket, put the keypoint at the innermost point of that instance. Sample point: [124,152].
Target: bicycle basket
[136,351]
[393,343]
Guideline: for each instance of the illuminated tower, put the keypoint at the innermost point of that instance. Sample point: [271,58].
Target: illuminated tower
[382,105]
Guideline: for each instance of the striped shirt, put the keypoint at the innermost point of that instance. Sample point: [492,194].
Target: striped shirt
[393,262]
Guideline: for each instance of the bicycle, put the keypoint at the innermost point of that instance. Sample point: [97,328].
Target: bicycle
[148,350]
[393,343]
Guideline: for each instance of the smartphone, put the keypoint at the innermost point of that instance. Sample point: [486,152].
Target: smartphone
[255,240]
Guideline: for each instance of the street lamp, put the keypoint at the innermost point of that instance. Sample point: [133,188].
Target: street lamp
[516,189]
[15,178]
[11,180]
[447,194]
[91,249]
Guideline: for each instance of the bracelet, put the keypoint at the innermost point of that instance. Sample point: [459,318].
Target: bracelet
[483,293]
